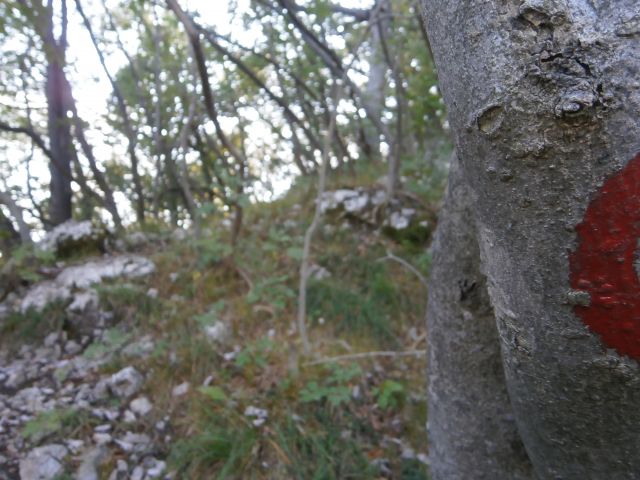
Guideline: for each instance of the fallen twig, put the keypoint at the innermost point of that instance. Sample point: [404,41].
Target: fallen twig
[402,261]
[366,355]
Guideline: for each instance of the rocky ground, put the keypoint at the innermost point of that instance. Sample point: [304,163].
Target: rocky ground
[57,384]
[58,377]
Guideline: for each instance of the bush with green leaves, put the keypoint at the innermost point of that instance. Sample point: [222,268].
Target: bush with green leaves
[335,388]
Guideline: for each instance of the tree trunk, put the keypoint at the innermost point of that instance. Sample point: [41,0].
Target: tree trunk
[60,143]
[471,429]
[374,94]
[544,103]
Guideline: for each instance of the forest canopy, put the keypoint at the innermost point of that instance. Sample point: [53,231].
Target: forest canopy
[151,112]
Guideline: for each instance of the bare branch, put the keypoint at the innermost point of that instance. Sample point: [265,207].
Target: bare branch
[407,265]
[366,356]
[37,139]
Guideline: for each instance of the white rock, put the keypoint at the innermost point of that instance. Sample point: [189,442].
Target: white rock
[218,332]
[138,473]
[332,200]
[101,389]
[180,390]
[156,468]
[66,232]
[228,356]
[152,293]
[43,463]
[134,442]
[318,272]
[398,221]
[95,271]
[357,203]
[260,415]
[126,382]
[72,348]
[102,438]
[75,445]
[141,348]
[379,197]
[83,276]
[51,339]
[84,301]
[129,417]
[258,422]
[408,453]
[43,294]
[89,464]
[141,406]
[28,399]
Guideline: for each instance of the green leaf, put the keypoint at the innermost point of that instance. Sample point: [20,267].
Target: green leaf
[214,393]
[390,393]
[295,253]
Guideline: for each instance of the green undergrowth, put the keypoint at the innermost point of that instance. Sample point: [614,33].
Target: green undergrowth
[325,418]
[32,326]
[58,424]
[334,420]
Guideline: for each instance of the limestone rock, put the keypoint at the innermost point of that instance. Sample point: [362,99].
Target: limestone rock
[72,236]
[126,382]
[218,332]
[84,276]
[180,390]
[89,464]
[43,294]
[95,271]
[141,406]
[43,463]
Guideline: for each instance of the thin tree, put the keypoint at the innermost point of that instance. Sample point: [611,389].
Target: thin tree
[315,222]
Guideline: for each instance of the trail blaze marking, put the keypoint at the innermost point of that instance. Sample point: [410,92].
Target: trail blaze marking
[604,262]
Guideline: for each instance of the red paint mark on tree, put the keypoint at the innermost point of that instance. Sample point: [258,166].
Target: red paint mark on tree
[604,262]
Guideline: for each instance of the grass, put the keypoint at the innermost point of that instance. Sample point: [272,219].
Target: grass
[328,421]
[56,424]
[325,422]
[31,326]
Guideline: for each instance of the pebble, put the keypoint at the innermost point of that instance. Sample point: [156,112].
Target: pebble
[126,382]
[102,438]
[141,406]
[43,463]
[180,390]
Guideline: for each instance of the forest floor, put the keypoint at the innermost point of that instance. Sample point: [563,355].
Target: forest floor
[195,371]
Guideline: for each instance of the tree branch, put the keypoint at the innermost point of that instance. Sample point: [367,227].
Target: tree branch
[37,139]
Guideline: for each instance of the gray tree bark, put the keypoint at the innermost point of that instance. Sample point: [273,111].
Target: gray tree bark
[374,95]
[471,425]
[544,100]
